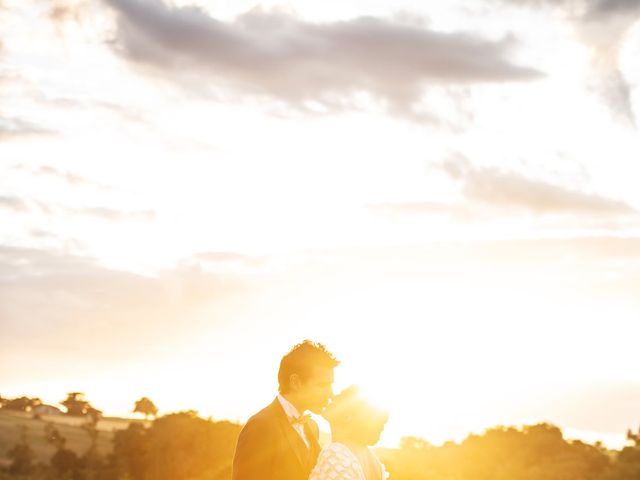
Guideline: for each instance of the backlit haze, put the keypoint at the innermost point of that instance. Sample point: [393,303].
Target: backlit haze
[444,193]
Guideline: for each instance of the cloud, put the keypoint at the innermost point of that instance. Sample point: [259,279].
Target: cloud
[454,211]
[582,8]
[615,403]
[276,55]
[20,205]
[114,215]
[601,25]
[609,7]
[229,258]
[503,189]
[13,203]
[68,307]
[17,127]
[45,238]
[61,11]
[70,178]
[490,192]
[66,176]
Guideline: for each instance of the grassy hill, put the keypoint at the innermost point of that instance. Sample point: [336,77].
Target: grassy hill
[12,424]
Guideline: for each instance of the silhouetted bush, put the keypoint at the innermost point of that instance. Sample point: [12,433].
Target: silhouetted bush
[176,446]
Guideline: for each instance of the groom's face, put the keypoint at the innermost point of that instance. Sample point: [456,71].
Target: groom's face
[318,388]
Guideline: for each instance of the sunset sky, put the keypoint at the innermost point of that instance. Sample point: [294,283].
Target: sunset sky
[445,193]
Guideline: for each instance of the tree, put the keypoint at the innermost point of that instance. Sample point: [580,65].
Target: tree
[177,446]
[64,461]
[131,452]
[22,404]
[146,407]
[627,461]
[91,464]
[413,443]
[634,437]
[21,456]
[76,404]
[52,436]
[94,415]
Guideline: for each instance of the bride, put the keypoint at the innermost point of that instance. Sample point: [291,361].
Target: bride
[355,426]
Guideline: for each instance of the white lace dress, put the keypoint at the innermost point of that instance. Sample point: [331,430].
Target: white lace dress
[337,462]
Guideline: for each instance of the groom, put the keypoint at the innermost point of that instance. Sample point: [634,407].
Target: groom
[280,442]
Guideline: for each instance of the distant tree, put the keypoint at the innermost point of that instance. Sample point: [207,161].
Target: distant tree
[94,415]
[626,465]
[537,452]
[131,452]
[91,464]
[91,430]
[21,455]
[53,437]
[146,407]
[23,404]
[77,406]
[413,443]
[176,446]
[65,462]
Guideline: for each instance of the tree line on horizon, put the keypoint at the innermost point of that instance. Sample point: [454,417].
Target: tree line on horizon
[76,405]
[184,446]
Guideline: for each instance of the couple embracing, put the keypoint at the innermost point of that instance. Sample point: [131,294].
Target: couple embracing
[281,441]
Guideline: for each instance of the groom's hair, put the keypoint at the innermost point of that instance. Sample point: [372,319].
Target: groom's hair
[301,359]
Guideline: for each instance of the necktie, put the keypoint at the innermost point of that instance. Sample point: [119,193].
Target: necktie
[301,420]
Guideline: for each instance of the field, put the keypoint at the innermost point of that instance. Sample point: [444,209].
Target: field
[12,424]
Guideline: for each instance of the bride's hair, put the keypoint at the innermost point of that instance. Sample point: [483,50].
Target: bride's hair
[350,410]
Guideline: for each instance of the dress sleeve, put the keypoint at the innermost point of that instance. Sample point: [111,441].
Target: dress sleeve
[335,462]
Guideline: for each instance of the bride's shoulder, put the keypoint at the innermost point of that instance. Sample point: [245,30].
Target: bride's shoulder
[336,462]
[337,448]
[338,452]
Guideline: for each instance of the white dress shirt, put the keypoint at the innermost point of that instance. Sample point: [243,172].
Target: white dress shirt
[292,413]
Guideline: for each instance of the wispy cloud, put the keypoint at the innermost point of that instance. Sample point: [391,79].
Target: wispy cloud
[490,192]
[22,206]
[70,178]
[64,10]
[229,258]
[280,56]
[77,305]
[11,127]
[602,26]
[505,189]
[15,204]
[452,210]
[64,175]
[114,215]
[575,405]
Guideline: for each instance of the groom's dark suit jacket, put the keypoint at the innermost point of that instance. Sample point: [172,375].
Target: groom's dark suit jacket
[269,448]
